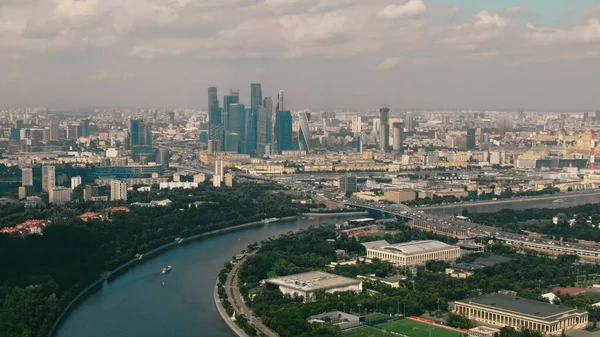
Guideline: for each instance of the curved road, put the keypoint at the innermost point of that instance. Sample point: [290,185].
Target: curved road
[237,301]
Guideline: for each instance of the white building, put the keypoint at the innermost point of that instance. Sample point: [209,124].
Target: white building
[228,180]
[75,181]
[59,195]
[309,284]
[118,190]
[412,253]
[199,178]
[48,178]
[172,185]
[26,176]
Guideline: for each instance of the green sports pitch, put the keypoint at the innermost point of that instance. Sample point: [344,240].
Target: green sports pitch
[413,328]
[364,331]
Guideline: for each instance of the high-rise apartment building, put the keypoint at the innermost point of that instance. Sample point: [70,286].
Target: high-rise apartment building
[54,123]
[348,183]
[48,178]
[27,176]
[73,130]
[118,190]
[59,195]
[410,123]
[228,180]
[172,118]
[84,128]
[75,181]
[505,124]
[304,136]
[384,129]
[470,139]
[283,127]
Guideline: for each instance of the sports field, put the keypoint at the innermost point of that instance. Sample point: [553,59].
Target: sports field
[412,328]
[364,331]
[376,317]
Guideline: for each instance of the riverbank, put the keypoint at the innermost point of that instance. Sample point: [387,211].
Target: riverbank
[324,215]
[117,271]
[236,329]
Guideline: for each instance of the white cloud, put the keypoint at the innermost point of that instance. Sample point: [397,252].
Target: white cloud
[389,63]
[581,34]
[411,9]
[514,11]
[485,18]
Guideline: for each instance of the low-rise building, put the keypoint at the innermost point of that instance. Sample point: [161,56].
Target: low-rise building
[483,331]
[414,252]
[309,284]
[519,313]
[59,195]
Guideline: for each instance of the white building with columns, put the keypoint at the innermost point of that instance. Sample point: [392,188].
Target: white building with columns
[412,253]
[503,310]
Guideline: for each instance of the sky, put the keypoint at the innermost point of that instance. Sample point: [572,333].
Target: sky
[325,54]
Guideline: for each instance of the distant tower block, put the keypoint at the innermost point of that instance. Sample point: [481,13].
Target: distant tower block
[384,129]
[593,152]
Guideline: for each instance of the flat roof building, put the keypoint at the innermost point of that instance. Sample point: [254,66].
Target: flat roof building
[308,284]
[413,253]
[503,310]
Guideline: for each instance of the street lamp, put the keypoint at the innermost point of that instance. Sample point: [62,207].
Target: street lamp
[359,305]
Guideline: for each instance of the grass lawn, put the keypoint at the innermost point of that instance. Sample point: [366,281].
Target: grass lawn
[364,331]
[377,316]
[591,295]
[412,328]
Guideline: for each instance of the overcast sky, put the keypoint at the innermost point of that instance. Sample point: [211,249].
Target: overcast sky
[324,53]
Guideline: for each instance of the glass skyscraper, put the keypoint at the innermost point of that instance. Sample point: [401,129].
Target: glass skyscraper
[251,132]
[232,98]
[216,131]
[304,136]
[283,127]
[256,99]
[237,124]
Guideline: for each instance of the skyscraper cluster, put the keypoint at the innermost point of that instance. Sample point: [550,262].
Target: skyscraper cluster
[250,130]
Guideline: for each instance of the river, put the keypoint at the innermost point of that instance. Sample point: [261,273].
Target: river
[518,204]
[142,303]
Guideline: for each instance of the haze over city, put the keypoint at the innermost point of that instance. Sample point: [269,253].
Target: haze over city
[326,54]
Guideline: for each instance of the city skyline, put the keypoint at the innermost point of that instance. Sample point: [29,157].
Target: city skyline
[327,54]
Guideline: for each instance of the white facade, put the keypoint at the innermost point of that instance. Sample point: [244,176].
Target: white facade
[75,181]
[228,180]
[59,195]
[414,252]
[118,190]
[26,176]
[172,185]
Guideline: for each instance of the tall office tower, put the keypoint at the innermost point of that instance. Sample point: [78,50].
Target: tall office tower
[384,129]
[283,127]
[304,136]
[85,128]
[237,124]
[59,195]
[446,120]
[470,139]
[138,133]
[521,115]
[231,142]
[216,130]
[163,157]
[73,130]
[410,123]
[75,181]
[255,95]
[251,132]
[228,100]
[27,176]
[118,190]
[265,127]
[172,117]
[398,138]
[268,105]
[48,178]
[280,103]
[504,124]
[54,122]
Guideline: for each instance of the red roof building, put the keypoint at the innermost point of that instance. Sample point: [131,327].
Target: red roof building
[91,215]
[119,209]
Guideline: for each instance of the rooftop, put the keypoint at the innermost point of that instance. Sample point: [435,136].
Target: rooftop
[522,306]
[312,281]
[414,247]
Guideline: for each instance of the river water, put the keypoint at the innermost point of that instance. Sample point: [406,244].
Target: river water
[142,303]
[518,204]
